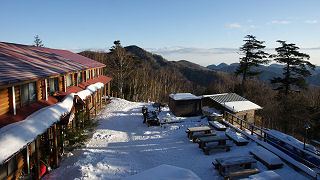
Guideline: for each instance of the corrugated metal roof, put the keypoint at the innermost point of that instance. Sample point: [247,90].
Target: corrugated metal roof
[227,97]
[23,63]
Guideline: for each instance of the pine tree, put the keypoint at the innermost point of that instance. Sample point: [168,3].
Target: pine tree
[37,41]
[122,65]
[295,69]
[253,57]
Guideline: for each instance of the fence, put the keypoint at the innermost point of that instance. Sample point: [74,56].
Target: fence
[306,157]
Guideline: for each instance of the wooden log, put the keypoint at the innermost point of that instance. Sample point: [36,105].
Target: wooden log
[55,147]
[60,83]
[39,90]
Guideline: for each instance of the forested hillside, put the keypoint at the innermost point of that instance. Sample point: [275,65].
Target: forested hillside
[268,72]
[154,78]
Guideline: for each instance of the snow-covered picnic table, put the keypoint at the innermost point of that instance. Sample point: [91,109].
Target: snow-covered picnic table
[242,165]
[191,130]
[202,141]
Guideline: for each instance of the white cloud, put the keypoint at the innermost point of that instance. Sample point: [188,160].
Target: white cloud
[234,25]
[280,22]
[192,50]
[311,21]
[252,26]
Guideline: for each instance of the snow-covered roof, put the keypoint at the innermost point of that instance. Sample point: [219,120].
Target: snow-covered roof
[184,96]
[17,135]
[164,172]
[238,106]
[233,102]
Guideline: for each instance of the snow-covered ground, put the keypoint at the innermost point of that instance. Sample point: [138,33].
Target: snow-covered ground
[123,146]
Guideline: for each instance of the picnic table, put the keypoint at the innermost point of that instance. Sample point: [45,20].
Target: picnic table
[235,166]
[221,139]
[191,130]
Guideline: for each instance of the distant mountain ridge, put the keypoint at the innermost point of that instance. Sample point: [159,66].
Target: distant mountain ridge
[269,72]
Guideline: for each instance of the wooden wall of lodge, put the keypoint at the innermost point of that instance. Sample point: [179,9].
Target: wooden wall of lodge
[5,95]
[94,103]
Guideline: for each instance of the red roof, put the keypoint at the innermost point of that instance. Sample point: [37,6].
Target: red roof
[22,63]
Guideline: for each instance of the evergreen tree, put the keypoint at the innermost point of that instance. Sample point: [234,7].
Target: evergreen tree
[295,69]
[253,57]
[37,41]
[122,65]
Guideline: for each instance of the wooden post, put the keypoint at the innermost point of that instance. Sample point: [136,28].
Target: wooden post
[95,103]
[100,98]
[55,146]
[64,83]
[12,100]
[105,94]
[251,130]
[87,109]
[37,158]
[231,119]
[240,124]
[45,89]
[26,160]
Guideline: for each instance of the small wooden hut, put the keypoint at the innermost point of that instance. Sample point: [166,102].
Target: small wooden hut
[233,103]
[185,104]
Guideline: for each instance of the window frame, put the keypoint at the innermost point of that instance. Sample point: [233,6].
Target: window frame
[31,97]
[69,81]
[55,81]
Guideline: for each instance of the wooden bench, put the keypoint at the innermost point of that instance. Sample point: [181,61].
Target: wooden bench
[210,147]
[266,157]
[241,172]
[238,140]
[216,125]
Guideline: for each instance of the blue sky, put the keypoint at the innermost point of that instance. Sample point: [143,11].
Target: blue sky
[205,32]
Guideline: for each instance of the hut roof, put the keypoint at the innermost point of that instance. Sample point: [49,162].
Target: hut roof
[233,102]
[183,96]
[23,63]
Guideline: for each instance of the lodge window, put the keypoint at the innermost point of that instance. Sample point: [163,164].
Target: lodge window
[12,166]
[87,74]
[80,77]
[93,73]
[98,72]
[8,168]
[3,171]
[69,80]
[53,85]
[28,93]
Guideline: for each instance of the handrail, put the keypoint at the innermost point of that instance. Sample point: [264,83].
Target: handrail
[263,135]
